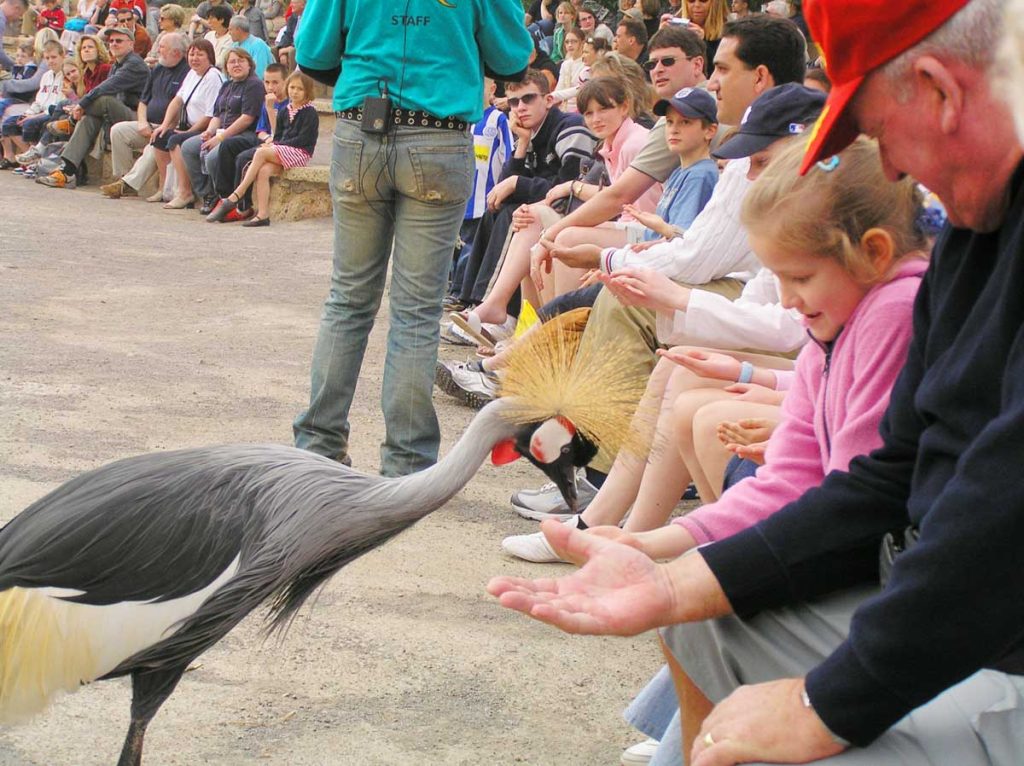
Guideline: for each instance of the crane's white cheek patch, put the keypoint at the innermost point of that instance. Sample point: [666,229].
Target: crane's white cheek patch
[548,440]
[49,645]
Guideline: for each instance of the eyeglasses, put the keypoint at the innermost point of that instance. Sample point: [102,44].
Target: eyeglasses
[666,61]
[526,98]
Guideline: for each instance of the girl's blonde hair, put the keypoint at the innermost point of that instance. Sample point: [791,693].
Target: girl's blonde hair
[718,14]
[308,86]
[79,87]
[102,54]
[828,211]
[43,36]
[628,72]
[175,13]
[569,8]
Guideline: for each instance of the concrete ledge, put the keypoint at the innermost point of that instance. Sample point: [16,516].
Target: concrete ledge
[300,193]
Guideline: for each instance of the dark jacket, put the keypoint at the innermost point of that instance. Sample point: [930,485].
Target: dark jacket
[554,156]
[302,133]
[126,81]
[950,465]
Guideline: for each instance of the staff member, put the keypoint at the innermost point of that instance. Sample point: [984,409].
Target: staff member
[401,173]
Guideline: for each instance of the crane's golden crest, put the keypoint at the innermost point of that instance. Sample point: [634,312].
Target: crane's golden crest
[551,373]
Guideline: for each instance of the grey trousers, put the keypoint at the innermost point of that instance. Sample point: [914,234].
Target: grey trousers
[978,722]
[103,109]
[202,186]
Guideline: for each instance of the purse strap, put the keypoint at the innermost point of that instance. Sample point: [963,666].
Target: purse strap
[184,107]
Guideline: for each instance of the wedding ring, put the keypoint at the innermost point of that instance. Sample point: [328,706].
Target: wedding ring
[709,741]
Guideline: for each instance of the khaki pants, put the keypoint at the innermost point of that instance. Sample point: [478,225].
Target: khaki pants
[125,139]
[631,332]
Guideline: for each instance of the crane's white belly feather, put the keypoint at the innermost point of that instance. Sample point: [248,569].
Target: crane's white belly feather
[49,645]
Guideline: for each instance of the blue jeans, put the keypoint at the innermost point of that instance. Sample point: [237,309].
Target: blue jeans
[655,712]
[400,196]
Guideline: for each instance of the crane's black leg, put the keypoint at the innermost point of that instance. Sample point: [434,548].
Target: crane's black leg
[149,691]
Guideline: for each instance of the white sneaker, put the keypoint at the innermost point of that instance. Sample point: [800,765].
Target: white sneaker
[473,387]
[546,502]
[456,337]
[640,753]
[28,157]
[535,547]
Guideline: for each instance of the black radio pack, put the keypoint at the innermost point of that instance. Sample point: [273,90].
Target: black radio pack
[376,114]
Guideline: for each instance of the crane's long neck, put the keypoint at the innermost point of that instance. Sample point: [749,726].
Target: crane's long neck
[432,488]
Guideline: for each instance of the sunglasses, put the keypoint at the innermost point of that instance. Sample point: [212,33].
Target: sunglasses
[666,62]
[527,99]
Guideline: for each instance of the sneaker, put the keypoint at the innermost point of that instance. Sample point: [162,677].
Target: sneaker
[535,547]
[28,157]
[639,754]
[473,387]
[547,502]
[57,180]
[453,335]
[476,387]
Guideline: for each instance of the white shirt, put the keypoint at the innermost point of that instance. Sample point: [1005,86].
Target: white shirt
[754,320]
[715,245]
[200,103]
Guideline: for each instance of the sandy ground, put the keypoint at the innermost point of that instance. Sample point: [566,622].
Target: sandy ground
[126,329]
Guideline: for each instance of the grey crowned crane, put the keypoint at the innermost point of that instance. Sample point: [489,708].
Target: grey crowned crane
[138,567]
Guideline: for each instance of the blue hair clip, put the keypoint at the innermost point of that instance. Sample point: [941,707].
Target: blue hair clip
[830,164]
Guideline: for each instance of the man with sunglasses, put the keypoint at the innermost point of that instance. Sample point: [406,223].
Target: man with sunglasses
[550,145]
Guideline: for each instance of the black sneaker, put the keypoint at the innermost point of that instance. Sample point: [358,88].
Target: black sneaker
[209,203]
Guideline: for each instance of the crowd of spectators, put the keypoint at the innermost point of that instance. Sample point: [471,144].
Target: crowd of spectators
[202,97]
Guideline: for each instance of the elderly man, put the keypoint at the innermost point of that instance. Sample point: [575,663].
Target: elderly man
[927,668]
[113,100]
[238,28]
[132,135]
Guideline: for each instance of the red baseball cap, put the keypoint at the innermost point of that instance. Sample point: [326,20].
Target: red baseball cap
[856,38]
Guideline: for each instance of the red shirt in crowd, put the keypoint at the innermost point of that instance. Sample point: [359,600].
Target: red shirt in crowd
[92,78]
[53,18]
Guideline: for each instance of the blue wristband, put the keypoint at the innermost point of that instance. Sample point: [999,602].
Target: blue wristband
[746,372]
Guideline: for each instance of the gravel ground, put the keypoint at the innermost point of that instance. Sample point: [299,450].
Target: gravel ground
[129,329]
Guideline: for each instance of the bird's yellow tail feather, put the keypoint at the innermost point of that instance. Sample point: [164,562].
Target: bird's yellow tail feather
[41,654]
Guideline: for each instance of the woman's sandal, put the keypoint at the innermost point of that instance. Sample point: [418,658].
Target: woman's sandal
[180,203]
[256,221]
[470,323]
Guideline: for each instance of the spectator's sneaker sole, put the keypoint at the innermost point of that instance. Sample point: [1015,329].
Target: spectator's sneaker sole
[534,515]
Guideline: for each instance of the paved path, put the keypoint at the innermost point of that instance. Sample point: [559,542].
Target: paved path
[127,329]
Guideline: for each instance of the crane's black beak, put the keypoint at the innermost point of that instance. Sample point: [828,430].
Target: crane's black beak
[563,473]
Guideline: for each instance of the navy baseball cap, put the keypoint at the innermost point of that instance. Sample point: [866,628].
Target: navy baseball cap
[787,110]
[695,103]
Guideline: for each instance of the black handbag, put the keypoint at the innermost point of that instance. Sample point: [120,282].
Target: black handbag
[183,123]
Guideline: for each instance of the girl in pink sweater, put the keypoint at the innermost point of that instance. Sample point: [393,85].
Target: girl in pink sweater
[843,245]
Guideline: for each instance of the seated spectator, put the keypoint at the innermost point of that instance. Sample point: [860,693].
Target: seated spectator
[170,19]
[23,70]
[113,100]
[93,60]
[588,22]
[257,22]
[631,40]
[138,7]
[165,81]
[218,17]
[51,16]
[273,15]
[565,19]
[569,81]
[285,49]
[127,19]
[550,145]
[18,132]
[238,29]
[188,114]
[199,24]
[274,104]
[293,145]
[641,95]
[208,159]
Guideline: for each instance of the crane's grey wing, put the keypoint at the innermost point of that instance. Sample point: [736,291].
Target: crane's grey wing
[149,528]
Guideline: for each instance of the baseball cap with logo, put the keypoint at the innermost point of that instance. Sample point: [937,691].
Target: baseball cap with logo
[787,110]
[856,38]
[695,103]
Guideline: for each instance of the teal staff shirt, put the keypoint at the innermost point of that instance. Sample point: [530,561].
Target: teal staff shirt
[429,52]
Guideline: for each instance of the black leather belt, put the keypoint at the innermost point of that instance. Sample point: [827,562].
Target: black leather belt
[412,118]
